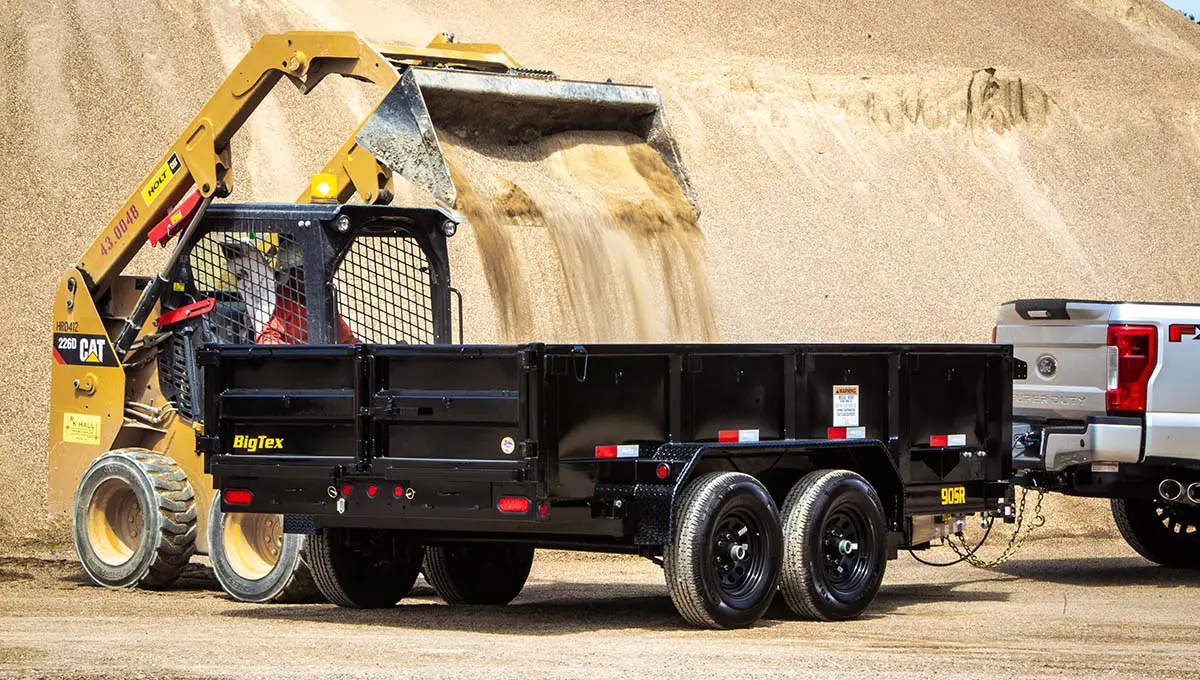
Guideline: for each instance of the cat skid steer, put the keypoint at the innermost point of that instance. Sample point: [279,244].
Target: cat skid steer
[125,410]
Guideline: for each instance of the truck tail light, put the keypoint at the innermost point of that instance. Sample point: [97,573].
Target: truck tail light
[1136,350]
[237,496]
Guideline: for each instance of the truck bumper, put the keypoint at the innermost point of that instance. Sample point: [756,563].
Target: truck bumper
[1100,440]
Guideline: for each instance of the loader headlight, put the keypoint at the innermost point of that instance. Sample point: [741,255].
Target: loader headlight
[449,228]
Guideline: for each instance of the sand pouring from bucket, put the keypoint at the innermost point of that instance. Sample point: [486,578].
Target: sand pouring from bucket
[513,107]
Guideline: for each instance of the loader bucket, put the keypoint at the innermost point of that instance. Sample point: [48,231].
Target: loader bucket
[506,108]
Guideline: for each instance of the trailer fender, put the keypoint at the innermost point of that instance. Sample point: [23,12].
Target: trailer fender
[777,464]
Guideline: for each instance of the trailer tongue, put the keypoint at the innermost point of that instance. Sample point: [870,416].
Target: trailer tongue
[743,468]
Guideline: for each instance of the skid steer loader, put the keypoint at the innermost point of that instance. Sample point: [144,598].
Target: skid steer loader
[125,409]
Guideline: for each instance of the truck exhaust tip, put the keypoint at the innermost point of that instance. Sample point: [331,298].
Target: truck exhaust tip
[1170,489]
[1193,492]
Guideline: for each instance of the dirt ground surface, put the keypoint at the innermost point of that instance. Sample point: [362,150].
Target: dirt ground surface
[1080,608]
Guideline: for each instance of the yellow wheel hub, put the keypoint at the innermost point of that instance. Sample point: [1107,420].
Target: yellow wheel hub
[252,543]
[114,522]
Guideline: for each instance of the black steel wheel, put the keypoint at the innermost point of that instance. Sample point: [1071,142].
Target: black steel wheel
[478,573]
[835,545]
[1162,532]
[722,565]
[363,568]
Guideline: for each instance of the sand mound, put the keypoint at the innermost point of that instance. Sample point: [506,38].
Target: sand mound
[847,192]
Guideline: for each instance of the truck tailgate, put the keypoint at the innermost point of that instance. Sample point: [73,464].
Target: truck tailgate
[1064,344]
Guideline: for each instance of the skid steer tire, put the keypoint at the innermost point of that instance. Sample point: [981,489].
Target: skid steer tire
[134,519]
[1162,532]
[478,573]
[364,568]
[722,565]
[835,552]
[253,559]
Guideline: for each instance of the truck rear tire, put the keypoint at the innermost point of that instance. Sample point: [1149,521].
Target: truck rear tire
[835,545]
[253,559]
[478,573]
[1166,533]
[134,520]
[722,565]
[364,568]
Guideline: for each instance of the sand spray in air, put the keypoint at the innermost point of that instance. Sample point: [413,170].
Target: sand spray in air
[585,236]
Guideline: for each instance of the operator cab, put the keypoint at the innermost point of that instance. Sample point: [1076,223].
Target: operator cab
[282,273]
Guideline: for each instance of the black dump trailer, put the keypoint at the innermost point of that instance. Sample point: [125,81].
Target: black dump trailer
[742,469]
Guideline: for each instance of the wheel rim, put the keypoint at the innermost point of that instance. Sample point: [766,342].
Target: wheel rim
[252,543]
[739,555]
[845,557]
[1178,519]
[114,522]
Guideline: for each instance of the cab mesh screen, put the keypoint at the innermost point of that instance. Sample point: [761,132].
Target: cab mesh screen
[258,282]
[384,291]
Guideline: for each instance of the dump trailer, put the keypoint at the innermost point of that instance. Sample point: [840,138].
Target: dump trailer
[742,468]
[122,458]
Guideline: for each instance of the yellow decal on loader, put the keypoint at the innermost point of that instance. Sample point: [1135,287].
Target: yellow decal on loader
[80,428]
[160,179]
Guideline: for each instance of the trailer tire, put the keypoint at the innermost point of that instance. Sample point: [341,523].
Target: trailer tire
[478,573]
[254,561]
[1149,527]
[363,568]
[134,519]
[833,523]
[716,581]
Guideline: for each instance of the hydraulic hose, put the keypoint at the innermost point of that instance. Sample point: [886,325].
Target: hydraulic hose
[157,286]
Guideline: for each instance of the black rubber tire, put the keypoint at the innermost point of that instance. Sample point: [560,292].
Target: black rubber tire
[695,564]
[363,568]
[1165,533]
[823,508]
[478,573]
[159,536]
[288,581]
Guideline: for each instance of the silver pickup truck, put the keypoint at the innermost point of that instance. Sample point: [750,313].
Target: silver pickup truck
[1106,403]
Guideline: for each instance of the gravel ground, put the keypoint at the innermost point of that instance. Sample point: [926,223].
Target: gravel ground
[1064,608]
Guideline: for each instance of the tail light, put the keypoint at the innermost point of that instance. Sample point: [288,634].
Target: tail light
[237,496]
[1131,364]
[513,504]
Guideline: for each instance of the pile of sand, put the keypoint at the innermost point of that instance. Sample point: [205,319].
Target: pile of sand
[863,174]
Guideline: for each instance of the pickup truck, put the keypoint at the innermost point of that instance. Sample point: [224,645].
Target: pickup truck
[1105,404]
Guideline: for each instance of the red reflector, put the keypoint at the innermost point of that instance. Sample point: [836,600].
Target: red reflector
[372,490]
[1137,355]
[835,433]
[727,436]
[606,452]
[939,440]
[543,509]
[663,470]
[237,496]
[513,504]
[346,489]
[398,492]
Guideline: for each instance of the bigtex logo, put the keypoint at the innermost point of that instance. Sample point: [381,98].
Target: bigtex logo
[250,444]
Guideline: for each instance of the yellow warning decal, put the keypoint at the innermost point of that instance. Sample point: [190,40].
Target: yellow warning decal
[80,428]
[160,179]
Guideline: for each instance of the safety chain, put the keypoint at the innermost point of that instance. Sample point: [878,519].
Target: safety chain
[1021,532]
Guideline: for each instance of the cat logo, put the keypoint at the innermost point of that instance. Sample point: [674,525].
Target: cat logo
[77,349]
